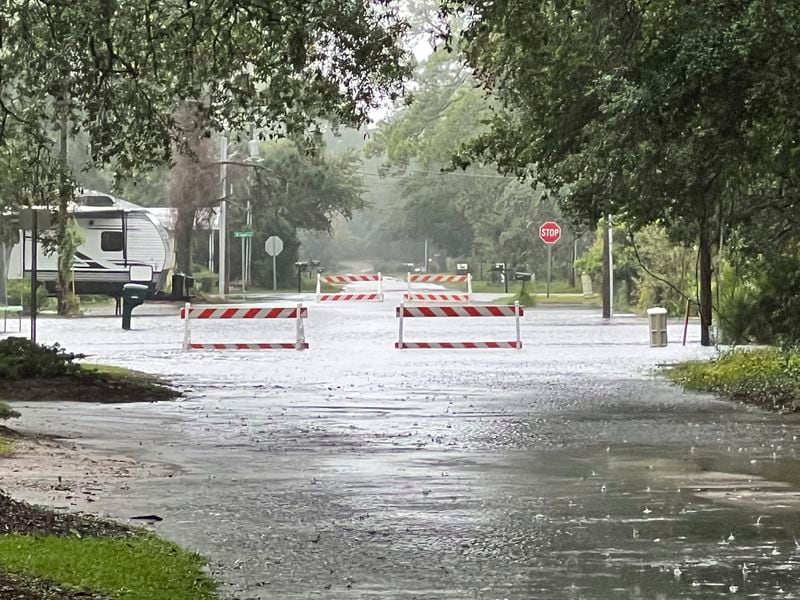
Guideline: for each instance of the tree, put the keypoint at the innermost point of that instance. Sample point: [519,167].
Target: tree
[652,111]
[475,212]
[293,187]
[116,71]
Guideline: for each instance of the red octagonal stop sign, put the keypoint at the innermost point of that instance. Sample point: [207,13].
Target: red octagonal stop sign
[550,232]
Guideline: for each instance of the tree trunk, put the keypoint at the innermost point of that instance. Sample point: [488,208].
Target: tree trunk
[184,227]
[606,271]
[705,286]
[573,258]
[3,271]
[64,193]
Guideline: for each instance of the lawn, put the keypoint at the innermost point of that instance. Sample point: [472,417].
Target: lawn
[142,567]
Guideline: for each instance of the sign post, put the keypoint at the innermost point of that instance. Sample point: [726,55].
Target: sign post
[245,237]
[549,233]
[274,246]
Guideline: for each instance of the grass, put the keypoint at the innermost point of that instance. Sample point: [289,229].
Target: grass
[143,567]
[539,287]
[767,377]
[6,446]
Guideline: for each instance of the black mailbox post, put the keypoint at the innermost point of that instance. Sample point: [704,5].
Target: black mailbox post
[524,278]
[133,295]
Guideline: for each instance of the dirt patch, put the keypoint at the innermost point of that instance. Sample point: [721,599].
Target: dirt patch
[21,517]
[57,473]
[16,587]
[88,388]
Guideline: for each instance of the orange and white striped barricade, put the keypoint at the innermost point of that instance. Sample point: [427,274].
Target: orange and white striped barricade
[298,313]
[461,297]
[347,296]
[492,310]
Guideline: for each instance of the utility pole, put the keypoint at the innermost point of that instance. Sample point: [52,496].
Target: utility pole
[608,268]
[223,209]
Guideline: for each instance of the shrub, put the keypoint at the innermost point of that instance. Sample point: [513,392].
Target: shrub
[768,377]
[205,281]
[6,412]
[22,359]
[18,292]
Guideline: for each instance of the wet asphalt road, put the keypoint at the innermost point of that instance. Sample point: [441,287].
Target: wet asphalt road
[354,470]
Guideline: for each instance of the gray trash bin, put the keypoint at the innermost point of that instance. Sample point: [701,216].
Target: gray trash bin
[657,319]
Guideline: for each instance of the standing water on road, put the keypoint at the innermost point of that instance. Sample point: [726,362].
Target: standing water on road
[354,470]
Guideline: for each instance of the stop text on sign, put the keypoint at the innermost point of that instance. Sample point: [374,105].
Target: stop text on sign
[550,232]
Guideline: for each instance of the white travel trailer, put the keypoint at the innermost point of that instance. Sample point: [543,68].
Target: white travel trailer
[123,243]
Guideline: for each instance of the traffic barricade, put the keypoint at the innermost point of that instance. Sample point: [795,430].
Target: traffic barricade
[494,310]
[298,314]
[460,297]
[376,296]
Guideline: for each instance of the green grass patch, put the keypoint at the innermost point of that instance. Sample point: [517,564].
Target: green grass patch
[768,377]
[139,568]
[6,446]
[538,287]
[527,300]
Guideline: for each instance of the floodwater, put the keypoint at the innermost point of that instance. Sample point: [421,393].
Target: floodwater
[567,469]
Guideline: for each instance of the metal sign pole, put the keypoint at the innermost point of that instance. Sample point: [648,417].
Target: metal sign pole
[549,267]
[34,252]
[274,273]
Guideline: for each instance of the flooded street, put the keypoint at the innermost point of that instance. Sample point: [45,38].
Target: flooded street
[353,470]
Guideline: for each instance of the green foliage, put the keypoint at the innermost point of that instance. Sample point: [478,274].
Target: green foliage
[655,112]
[661,275]
[110,76]
[205,281]
[22,359]
[6,412]
[139,568]
[465,213]
[760,297]
[19,293]
[69,244]
[766,377]
[295,187]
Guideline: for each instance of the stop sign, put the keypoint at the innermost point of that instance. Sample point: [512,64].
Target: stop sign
[550,232]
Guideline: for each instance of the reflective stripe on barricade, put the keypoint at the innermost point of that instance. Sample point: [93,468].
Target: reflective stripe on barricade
[351,278]
[460,297]
[223,312]
[437,278]
[454,345]
[350,298]
[268,346]
[191,313]
[496,310]
[436,297]
[376,296]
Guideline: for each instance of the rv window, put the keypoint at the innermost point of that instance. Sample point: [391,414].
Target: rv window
[111,241]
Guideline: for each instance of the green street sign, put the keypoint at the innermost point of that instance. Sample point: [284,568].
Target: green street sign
[243,234]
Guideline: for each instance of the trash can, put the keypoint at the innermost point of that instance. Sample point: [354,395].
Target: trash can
[133,295]
[657,319]
[179,286]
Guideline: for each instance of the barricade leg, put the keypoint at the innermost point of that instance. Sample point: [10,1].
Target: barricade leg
[301,334]
[319,286]
[187,335]
[400,333]
[469,287]
[380,287]
[516,317]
